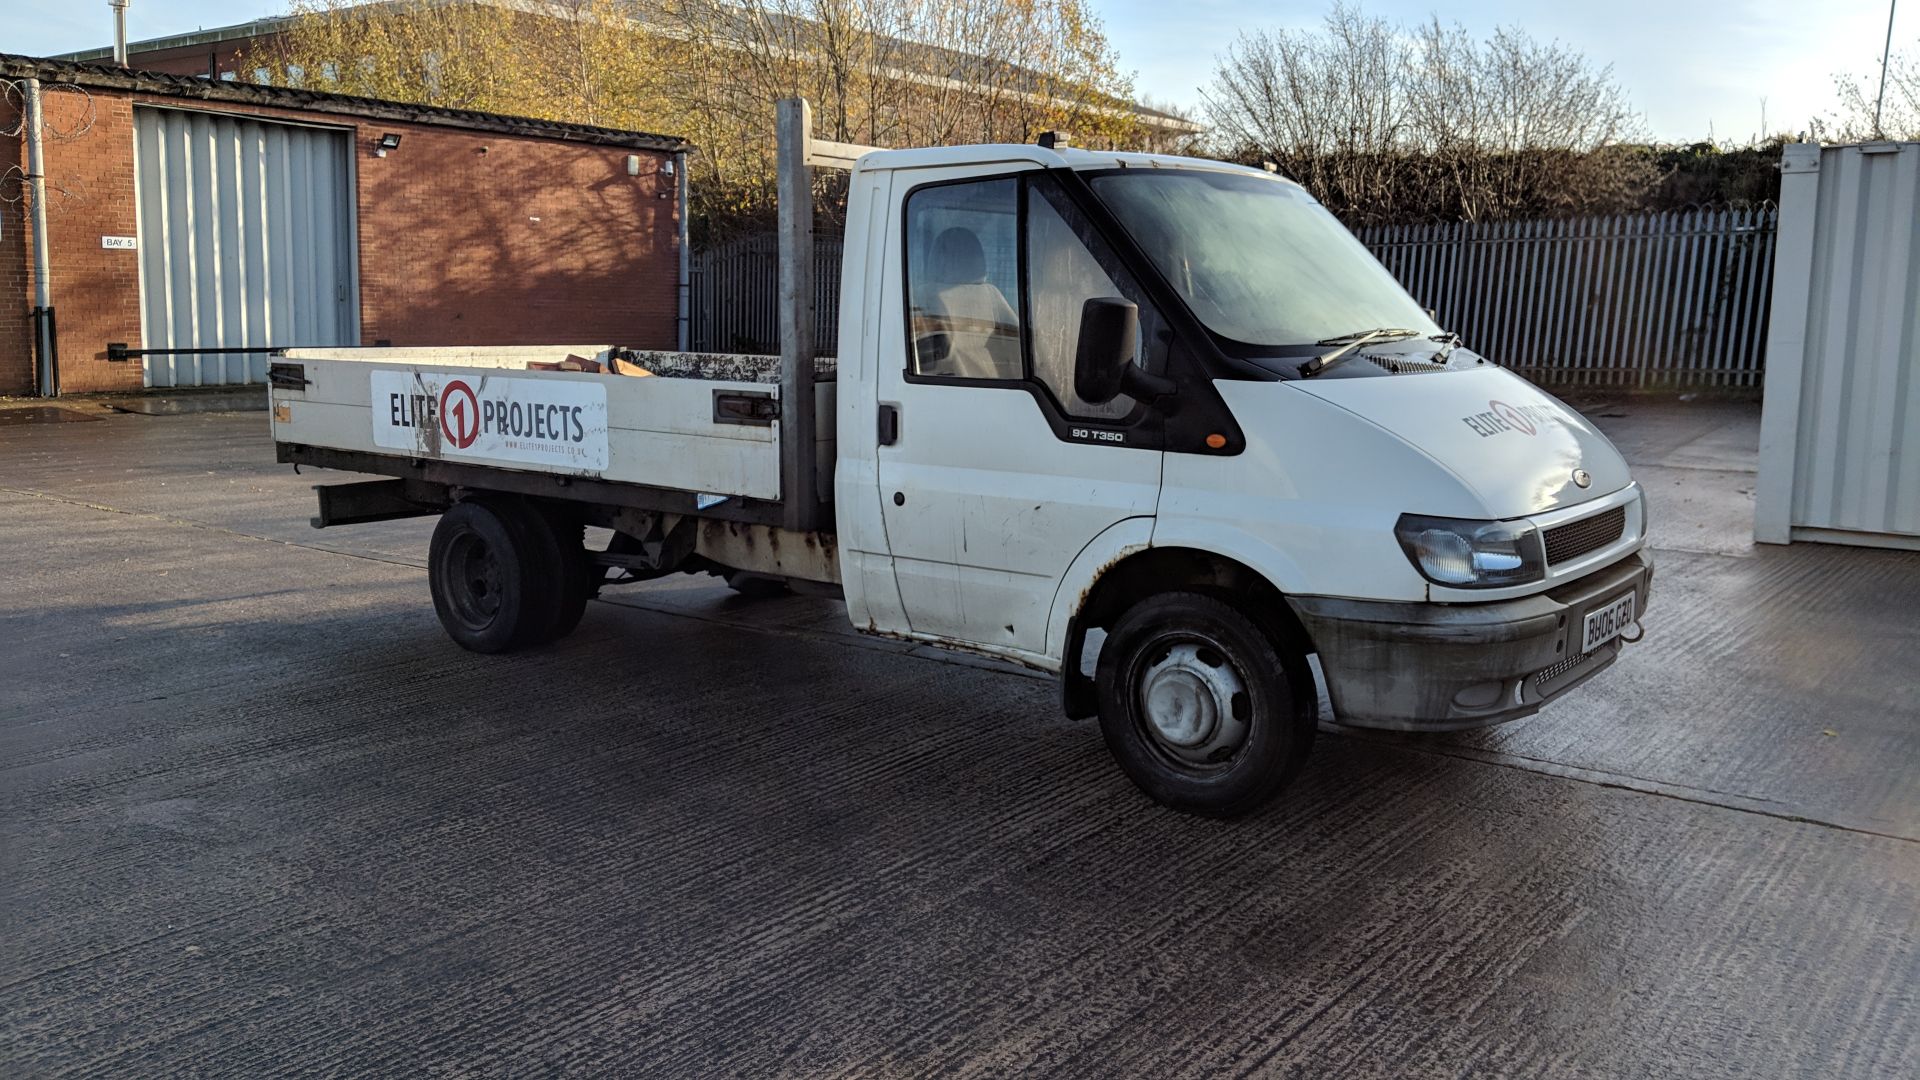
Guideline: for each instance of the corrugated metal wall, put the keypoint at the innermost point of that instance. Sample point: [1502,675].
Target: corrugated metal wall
[1840,430]
[246,238]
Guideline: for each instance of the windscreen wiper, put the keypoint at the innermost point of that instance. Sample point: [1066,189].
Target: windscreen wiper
[1348,343]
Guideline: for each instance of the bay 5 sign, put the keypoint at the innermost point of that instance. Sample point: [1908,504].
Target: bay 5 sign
[543,421]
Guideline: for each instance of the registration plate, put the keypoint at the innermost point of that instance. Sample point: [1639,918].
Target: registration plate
[1605,624]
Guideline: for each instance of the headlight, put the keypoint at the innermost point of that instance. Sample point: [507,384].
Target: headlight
[1472,554]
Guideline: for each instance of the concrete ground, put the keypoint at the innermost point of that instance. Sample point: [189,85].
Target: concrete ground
[258,815]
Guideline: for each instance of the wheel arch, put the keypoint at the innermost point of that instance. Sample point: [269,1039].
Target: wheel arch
[1137,574]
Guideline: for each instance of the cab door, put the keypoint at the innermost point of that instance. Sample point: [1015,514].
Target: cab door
[993,475]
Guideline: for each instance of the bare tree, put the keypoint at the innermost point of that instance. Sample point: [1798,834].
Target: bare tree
[1385,122]
[1899,115]
[1327,106]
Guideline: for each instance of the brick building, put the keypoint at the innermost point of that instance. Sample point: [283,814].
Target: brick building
[216,213]
[216,53]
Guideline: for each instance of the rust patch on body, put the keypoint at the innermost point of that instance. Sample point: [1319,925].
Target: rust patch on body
[1094,582]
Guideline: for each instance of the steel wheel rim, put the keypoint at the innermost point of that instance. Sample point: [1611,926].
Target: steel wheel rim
[1192,702]
[472,578]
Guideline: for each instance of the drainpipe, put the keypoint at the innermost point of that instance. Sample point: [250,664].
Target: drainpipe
[49,381]
[686,274]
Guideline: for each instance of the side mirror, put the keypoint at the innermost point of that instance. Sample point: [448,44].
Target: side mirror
[1109,335]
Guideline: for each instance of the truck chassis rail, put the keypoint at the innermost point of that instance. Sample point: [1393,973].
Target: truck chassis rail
[545,485]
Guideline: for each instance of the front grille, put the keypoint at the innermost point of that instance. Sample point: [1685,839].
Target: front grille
[1548,674]
[1576,538]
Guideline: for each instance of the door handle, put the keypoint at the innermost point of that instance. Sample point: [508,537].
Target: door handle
[889,424]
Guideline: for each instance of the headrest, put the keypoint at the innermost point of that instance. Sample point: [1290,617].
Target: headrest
[958,258]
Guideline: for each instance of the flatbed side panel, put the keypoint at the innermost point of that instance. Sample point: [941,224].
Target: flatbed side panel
[668,406]
[659,432]
[500,356]
[726,367]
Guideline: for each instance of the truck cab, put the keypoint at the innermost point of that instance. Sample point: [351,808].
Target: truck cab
[1436,530]
[1158,425]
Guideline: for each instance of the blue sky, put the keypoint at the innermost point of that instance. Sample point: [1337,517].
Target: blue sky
[1690,66]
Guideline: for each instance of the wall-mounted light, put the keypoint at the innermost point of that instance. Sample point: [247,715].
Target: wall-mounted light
[389,141]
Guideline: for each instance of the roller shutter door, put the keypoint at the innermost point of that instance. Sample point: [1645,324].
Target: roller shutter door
[246,238]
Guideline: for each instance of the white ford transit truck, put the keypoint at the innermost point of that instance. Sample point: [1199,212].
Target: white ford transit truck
[1158,425]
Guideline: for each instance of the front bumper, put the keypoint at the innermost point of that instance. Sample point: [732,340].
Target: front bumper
[1443,667]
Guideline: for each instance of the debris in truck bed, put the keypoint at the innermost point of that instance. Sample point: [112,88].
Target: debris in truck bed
[620,365]
[734,367]
[571,363]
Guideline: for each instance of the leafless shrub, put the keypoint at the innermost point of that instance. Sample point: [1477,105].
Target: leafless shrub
[1384,122]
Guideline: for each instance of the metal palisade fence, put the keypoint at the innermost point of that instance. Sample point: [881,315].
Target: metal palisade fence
[1672,299]
[735,296]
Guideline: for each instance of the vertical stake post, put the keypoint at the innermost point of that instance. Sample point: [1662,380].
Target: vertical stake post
[799,482]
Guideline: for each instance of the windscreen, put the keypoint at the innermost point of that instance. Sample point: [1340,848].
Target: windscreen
[1257,260]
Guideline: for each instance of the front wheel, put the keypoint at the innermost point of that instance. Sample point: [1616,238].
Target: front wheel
[1203,709]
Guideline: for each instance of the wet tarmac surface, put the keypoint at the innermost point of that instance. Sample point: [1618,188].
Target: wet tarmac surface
[257,815]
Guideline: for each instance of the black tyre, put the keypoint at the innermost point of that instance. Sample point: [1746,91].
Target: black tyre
[1203,710]
[579,577]
[756,586]
[484,578]
[549,585]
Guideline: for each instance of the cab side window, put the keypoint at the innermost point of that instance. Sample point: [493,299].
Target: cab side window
[963,280]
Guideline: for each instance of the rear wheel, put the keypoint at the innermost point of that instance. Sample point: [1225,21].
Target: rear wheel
[578,577]
[1203,710]
[482,576]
